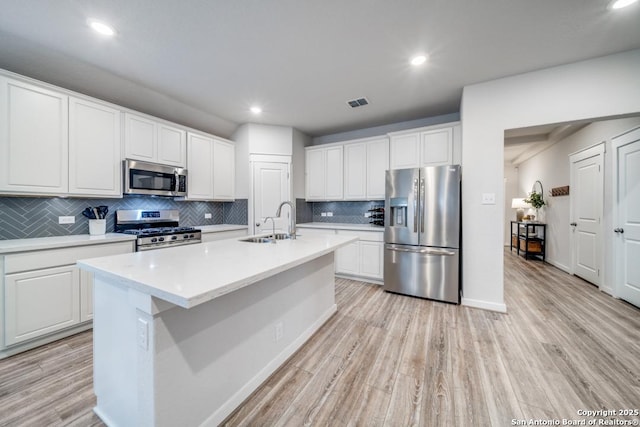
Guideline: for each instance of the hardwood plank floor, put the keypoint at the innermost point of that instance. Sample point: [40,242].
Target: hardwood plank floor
[390,360]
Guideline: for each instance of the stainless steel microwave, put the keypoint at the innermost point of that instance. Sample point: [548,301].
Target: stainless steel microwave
[154,179]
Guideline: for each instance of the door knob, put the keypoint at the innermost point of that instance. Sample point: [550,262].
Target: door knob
[257,224]
[618,230]
[573,224]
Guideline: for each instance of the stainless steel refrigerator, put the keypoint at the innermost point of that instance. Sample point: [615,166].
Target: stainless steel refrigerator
[422,232]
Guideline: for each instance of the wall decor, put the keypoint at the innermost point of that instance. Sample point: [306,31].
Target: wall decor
[560,191]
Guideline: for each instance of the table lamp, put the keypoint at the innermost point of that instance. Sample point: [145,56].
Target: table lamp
[519,205]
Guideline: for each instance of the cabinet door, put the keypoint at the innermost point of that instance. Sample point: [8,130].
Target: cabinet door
[33,139]
[355,171]
[224,170]
[377,165]
[334,173]
[405,151]
[348,259]
[172,147]
[40,302]
[315,174]
[371,259]
[86,295]
[139,138]
[200,166]
[95,168]
[437,147]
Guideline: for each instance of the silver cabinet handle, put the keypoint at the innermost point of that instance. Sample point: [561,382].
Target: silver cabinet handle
[618,230]
[573,224]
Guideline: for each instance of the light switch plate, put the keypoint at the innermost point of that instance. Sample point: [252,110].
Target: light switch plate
[323,214]
[329,213]
[66,220]
[488,198]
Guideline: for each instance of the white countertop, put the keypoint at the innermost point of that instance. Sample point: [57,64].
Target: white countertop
[40,243]
[193,274]
[341,226]
[220,227]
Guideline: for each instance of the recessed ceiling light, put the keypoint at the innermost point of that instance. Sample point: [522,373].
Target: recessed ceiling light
[101,28]
[256,110]
[418,60]
[619,4]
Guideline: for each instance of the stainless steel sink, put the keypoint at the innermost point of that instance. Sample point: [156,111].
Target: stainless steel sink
[267,239]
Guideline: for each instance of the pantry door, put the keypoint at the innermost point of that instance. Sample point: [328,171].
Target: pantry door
[587,194]
[270,188]
[627,216]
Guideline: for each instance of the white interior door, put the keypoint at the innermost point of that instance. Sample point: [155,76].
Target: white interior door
[627,218]
[586,213]
[270,188]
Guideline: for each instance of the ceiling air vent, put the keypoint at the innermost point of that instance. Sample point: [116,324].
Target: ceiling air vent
[358,102]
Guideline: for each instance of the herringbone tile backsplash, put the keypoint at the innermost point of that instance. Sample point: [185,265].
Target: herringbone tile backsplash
[25,217]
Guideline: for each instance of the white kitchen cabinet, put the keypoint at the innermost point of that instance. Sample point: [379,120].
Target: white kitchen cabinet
[363,258]
[371,259]
[33,139]
[200,167]
[430,146]
[95,167]
[224,160]
[44,296]
[211,166]
[324,173]
[348,259]
[153,141]
[377,165]
[222,235]
[40,302]
[355,171]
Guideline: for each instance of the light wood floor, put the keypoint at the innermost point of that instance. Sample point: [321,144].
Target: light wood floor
[391,360]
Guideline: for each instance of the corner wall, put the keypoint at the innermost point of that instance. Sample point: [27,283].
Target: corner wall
[600,87]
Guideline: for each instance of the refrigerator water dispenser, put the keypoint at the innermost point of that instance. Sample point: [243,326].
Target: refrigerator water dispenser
[398,217]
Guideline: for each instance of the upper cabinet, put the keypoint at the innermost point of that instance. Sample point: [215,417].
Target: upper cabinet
[94,149]
[33,139]
[377,165]
[153,141]
[211,166]
[430,146]
[324,173]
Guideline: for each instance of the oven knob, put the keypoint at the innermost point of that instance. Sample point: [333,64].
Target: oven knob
[186,236]
[153,240]
[174,237]
[161,239]
[191,235]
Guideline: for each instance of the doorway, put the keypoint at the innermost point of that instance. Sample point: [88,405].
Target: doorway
[271,186]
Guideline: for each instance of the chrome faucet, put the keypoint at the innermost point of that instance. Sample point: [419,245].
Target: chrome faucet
[292,220]
[273,223]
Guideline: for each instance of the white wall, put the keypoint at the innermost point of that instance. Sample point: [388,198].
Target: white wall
[600,87]
[552,168]
[511,191]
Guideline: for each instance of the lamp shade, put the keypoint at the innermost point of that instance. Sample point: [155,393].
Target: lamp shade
[519,204]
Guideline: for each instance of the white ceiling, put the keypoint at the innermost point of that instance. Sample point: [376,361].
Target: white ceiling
[204,62]
[523,143]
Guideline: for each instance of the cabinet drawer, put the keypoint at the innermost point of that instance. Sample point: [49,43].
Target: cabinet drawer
[64,256]
[370,236]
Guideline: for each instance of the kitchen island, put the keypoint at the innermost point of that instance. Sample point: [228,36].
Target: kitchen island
[183,335]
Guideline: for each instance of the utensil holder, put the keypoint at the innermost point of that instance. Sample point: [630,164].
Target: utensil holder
[97,227]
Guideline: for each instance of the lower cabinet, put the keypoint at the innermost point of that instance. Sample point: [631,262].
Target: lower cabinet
[222,235]
[360,259]
[44,296]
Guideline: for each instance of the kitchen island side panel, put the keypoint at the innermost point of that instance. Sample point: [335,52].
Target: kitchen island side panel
[201,363]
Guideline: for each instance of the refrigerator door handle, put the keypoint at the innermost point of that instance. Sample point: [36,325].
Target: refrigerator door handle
[422,213]
[415,205]
[427,251]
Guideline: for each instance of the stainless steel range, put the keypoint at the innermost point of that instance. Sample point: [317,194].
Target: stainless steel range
[156,228]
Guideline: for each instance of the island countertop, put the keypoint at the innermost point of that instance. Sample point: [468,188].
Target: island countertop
[193,274]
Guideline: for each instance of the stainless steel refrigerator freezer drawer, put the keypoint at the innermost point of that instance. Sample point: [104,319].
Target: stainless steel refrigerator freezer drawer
[426,272]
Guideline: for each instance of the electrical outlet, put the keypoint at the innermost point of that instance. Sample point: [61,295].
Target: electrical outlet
[329,213]
[323,214]
[367,214]
[207,216]
[66,220]
[143,334]
[279,330]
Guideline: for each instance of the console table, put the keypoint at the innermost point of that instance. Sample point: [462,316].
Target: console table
[529,239]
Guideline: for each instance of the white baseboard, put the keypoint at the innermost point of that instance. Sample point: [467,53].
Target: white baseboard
[561,266]
[485,305]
